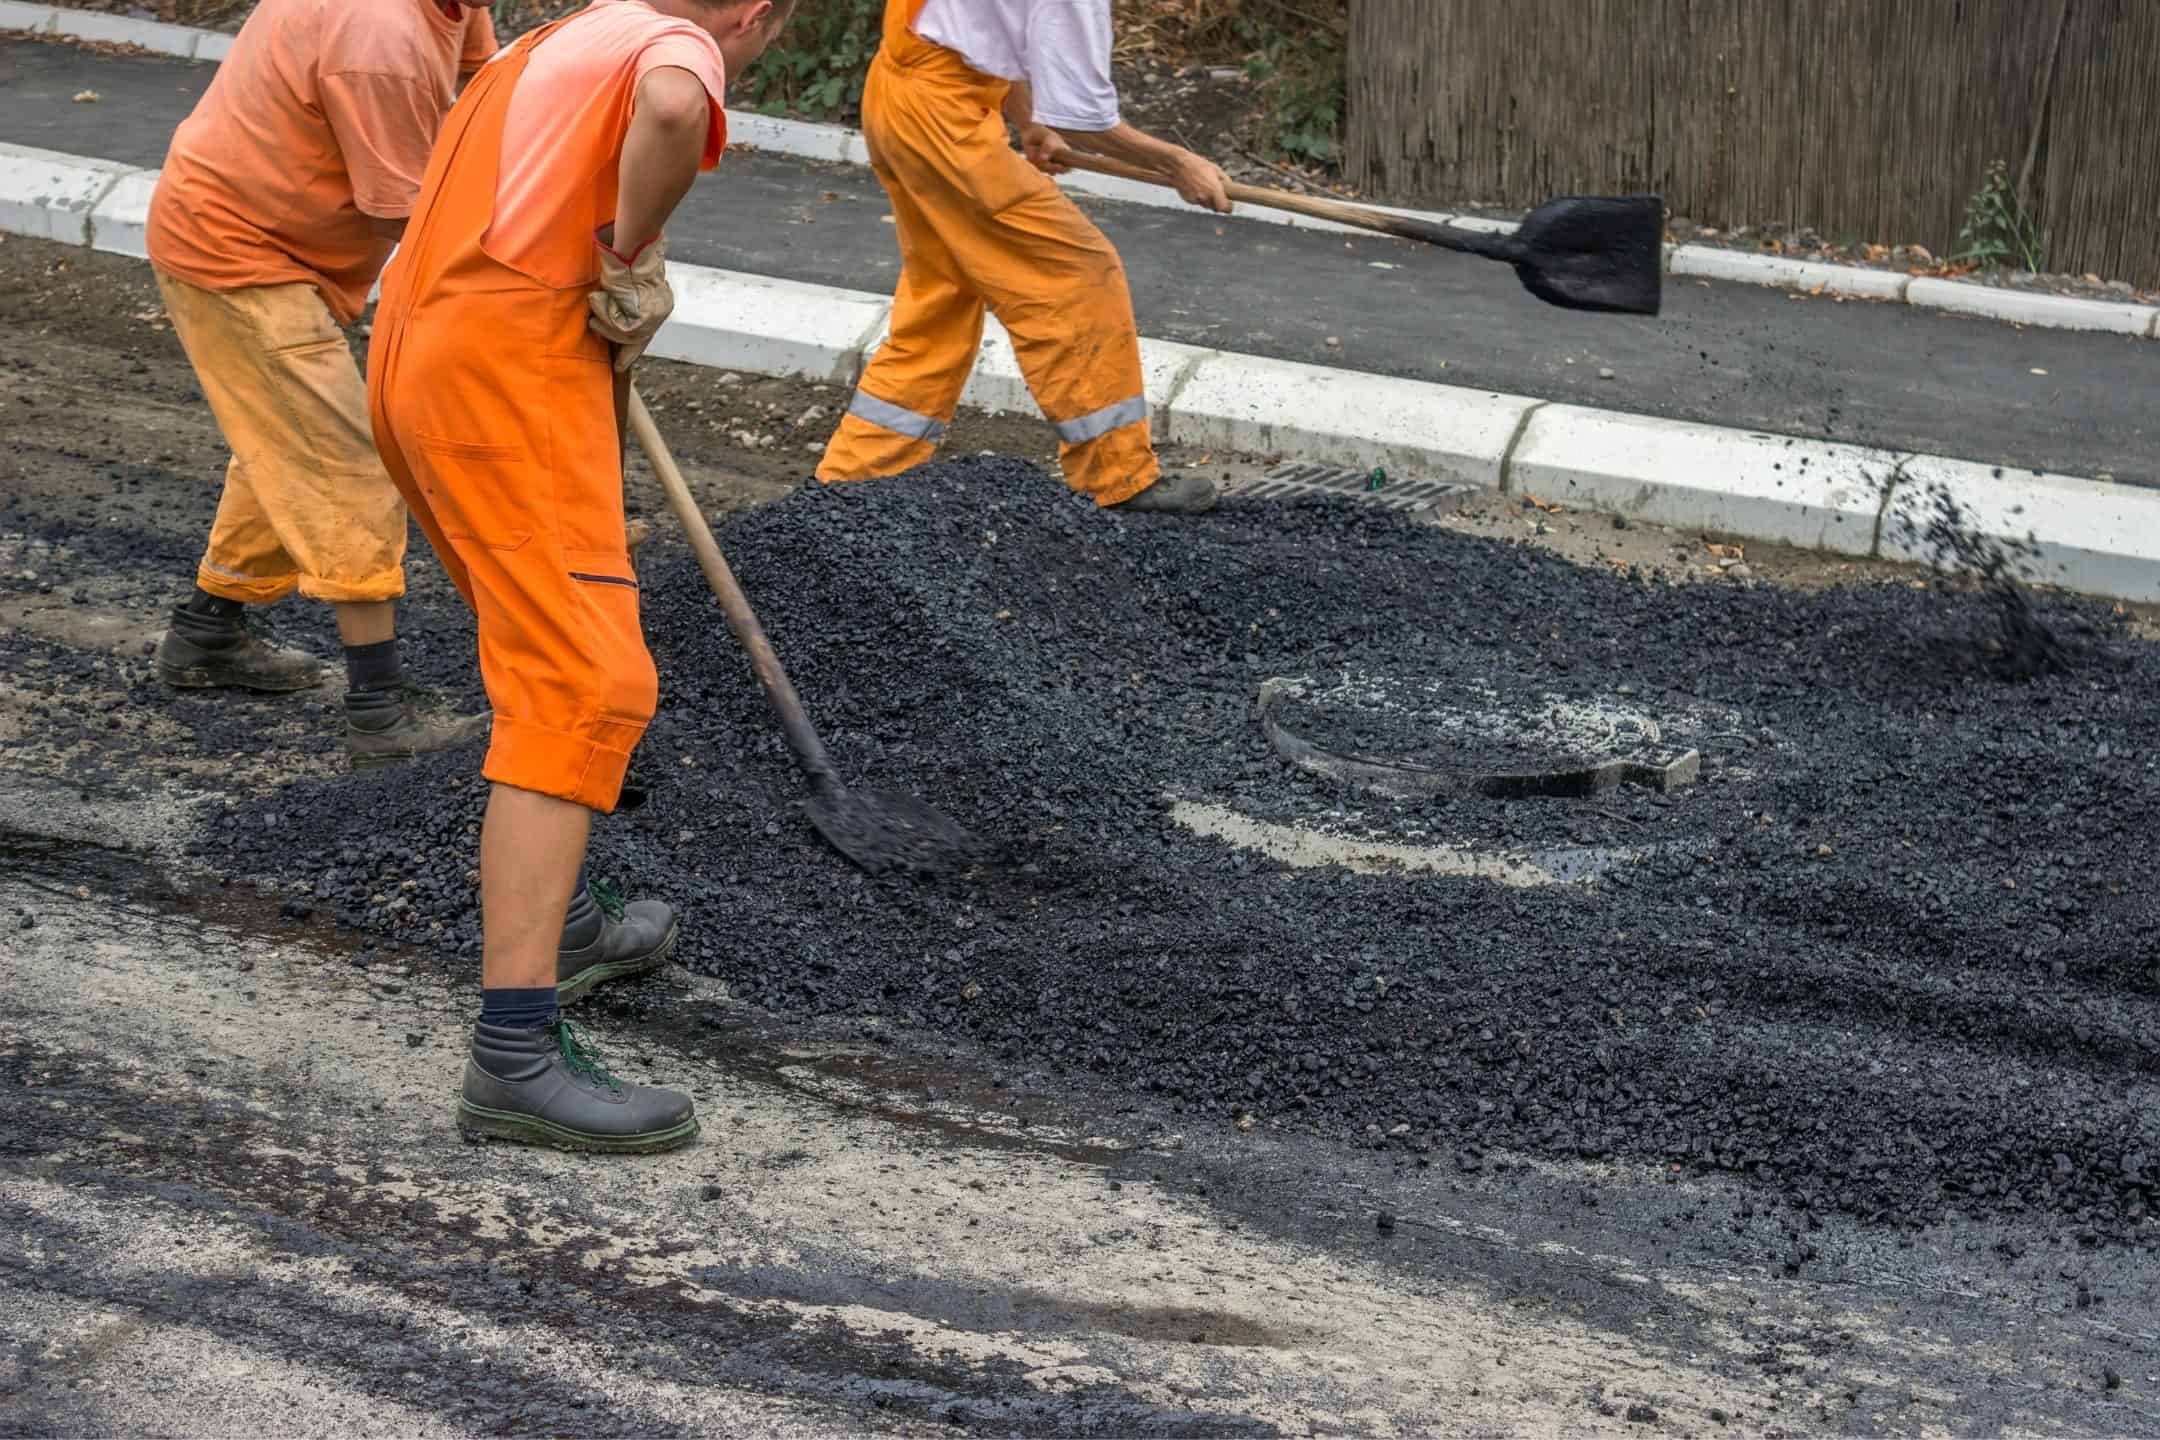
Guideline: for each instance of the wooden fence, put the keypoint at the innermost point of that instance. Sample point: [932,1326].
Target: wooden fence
[1866,119]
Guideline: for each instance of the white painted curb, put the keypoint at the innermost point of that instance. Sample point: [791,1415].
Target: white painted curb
[837,144]
[1308,412]
[120,221]
[1810,493]
[733,321]
[37,19]
[1743,268]
[2097,537]
[2088,536]
[50,195]
[2022,307]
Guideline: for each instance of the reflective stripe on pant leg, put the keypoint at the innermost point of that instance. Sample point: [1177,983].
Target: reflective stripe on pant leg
[936,330]
[1080,430]
[896,418]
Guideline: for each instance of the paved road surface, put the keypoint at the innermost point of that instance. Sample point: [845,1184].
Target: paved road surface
[1733,355]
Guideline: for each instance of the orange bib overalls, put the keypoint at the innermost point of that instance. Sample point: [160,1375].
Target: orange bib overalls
[494,409]
[979,226]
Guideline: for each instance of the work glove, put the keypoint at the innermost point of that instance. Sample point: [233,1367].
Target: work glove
[633,300]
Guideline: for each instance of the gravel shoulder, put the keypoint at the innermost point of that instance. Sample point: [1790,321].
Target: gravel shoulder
[233,1201]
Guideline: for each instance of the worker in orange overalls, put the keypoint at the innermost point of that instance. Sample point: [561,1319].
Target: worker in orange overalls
[979,228]
[530,279]
[284,193]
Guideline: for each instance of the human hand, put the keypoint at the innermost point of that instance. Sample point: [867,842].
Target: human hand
[1202,182]
[1045,149]
[633,301]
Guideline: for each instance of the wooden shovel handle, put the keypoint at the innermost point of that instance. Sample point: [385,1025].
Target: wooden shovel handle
[1241,194]
[802,737]
[1449,237]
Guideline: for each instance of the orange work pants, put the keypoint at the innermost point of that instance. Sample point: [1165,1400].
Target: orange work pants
[306,504]
[981,227]
[495,410]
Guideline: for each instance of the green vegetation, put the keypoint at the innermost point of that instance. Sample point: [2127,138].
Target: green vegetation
[1998,229]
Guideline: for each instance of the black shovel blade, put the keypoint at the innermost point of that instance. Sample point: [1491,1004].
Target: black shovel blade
[883,832]
[1594,252]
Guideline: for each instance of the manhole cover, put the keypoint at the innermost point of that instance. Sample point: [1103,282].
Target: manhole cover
[1428,737]
[1284,481]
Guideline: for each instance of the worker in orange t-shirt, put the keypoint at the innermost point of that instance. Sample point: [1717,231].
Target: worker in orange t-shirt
[530,280]
[282,196]
[979,229]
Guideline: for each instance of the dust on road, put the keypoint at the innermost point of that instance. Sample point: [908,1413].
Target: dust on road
[230,1197]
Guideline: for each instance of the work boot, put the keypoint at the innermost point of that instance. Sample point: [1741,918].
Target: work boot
[384,738]
[546,1086]
[605,939]
[1179,493]
[209,646]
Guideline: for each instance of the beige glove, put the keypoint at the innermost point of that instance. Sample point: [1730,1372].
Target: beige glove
[633,300]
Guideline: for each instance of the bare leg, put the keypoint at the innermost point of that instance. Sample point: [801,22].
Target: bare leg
[368,623]
[531,846]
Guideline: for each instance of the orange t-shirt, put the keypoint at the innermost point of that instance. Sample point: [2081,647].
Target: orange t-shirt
[322,116]
[562,134]
[480,42]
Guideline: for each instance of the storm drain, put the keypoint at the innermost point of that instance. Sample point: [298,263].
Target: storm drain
[1413,737]
[1375,486]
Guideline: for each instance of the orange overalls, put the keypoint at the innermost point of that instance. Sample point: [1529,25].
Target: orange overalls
[978,225]
[495,409]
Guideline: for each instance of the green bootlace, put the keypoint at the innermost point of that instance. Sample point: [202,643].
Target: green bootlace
[608,898]
[582,1057]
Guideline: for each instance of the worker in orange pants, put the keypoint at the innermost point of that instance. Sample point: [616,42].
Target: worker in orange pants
[982,228]
[531,278]
[283,194]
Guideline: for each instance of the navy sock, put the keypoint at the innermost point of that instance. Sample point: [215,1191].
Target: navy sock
[517,1009]
[373,667]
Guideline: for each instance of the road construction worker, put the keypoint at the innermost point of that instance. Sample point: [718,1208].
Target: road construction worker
[529,281]
[978,227]
[283,194]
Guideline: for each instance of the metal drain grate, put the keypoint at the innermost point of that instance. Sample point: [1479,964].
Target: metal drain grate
[1285,481]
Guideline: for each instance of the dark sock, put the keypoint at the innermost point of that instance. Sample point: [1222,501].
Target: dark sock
[373,667]
[211,621]
[517,1009]
[374,685]
[215,607]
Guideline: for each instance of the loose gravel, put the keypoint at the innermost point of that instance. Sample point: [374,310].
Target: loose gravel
[1894,956]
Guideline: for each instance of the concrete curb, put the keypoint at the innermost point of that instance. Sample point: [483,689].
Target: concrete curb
[1847,499]
[51,195]
[37,19]
[1810,493]
[836,144]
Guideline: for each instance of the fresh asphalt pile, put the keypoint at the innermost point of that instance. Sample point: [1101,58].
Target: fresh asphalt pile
[1894,955]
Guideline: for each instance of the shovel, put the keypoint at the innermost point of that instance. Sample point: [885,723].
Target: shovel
[1582,252]
[879,832]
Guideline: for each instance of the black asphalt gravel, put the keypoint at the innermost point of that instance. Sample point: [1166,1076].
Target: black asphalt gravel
[1894,955]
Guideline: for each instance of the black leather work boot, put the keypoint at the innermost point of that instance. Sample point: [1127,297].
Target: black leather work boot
[402,732]
[209,646]
[546,1086]
[1181,493]
[605,939]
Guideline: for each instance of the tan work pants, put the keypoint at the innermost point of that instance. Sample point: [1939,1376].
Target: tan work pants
[307,504]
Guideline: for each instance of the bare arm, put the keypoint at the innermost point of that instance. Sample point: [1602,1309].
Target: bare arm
[391,230]
[1020,105]
[1200,180]
[660,156]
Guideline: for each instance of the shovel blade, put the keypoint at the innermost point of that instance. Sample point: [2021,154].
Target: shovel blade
[883,832]
[1595,252]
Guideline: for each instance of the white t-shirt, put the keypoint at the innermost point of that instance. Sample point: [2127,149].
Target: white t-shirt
[1061,47]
